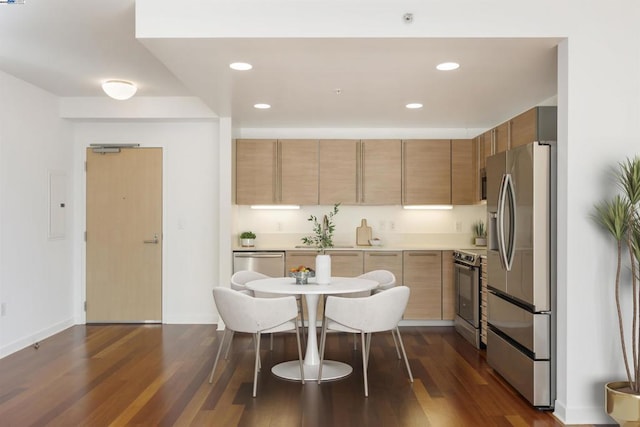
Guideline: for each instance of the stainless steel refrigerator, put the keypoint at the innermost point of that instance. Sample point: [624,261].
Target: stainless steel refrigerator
[521,269]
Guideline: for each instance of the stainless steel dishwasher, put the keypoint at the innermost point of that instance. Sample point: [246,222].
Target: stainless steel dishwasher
[265,262]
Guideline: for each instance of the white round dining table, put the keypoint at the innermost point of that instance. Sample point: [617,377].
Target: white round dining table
[331,369]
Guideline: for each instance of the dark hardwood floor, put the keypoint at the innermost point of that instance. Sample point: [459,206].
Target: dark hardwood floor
[157,375]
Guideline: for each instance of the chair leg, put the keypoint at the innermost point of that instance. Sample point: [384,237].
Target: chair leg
[299,353]
[323,340]
[364,365]
[355,340]
[406,361]
[395,342]
[368,346]
[226,353]
[271,342]
[255,369]
[215,363]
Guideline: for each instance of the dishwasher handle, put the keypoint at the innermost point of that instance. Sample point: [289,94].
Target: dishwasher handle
[257,255]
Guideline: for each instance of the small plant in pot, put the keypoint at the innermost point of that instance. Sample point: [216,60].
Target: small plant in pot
[480,233]
[247,239]
[620,216]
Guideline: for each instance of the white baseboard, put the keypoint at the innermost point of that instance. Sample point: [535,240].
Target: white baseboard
[581,415]
[203,319]
[34,338]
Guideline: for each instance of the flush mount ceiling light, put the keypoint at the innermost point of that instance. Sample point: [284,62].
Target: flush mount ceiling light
[240,66]
[413,105]
[119,89]
[448,66]
[262,106]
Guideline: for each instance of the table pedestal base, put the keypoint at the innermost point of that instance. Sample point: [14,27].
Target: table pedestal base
[331,370]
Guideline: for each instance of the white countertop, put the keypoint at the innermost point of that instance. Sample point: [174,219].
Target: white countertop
[408,247]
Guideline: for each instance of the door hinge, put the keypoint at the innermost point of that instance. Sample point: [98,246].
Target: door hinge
[85,236]
[85,306]
[85,165]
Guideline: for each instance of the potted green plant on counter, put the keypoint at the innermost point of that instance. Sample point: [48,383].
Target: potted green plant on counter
[480,233]
[620,216]
[247,239]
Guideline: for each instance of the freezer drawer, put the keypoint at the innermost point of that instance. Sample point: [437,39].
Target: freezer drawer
[530,330]
[532,378]
[269,263]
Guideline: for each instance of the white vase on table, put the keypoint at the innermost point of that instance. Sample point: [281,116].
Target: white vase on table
[323,269]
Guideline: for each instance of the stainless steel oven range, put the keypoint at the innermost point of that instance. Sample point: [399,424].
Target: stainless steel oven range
[466,270]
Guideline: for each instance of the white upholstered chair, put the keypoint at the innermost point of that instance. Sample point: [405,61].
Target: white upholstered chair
[238,283]
[375,313]
[244,313]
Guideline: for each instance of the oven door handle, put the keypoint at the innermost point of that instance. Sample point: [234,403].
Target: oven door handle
[463,266]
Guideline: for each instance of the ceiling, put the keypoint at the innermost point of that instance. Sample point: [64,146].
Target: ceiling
[69,47]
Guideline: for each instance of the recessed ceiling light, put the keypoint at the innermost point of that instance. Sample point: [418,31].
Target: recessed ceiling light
[240,66]
[262,106]
[448,66]
[414,105]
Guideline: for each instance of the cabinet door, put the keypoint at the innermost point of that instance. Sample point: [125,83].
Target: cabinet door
[423,274]
[380,170]
[384,260]
[502,137]
[346,263]
[427,172]
[464,175]
[294,259]
[487,146]
[524,128]
[256,171]
[298,172]
[448,287]
[338,171]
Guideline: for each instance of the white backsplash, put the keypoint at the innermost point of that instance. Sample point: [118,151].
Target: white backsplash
[392,224]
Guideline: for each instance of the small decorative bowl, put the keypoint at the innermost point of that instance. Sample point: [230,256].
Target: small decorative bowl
[302,277]
[375,242]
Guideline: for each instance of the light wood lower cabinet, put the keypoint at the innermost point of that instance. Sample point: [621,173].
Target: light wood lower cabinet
[423,275]
[346,263]
[448,287]
[429,275]
[385,260]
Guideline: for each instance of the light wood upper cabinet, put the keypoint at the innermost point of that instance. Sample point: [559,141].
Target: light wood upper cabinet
[338,171]
[426,171]
[255,171]
[464,179]
[276,172]
[381,171]
[536,124]
[366,172]
[501,137]
[487,147]
[384,260]
[423,275]
[298,161]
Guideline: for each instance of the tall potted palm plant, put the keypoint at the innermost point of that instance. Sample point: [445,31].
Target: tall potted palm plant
[620,216]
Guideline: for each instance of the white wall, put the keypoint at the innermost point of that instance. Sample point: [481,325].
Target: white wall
[190,217]
[598,108]
[35,271]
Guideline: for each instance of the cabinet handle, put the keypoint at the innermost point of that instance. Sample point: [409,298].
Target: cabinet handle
[383,254]
[274,191]
[362,180]
[343,254]
[422,254]
[279,176]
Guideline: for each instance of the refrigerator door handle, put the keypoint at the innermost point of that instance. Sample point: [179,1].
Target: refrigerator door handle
[500,223]
[510,194]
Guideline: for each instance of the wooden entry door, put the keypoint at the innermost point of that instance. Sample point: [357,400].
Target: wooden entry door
[124,236]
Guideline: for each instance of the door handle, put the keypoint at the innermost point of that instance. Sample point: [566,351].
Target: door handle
[154,241]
